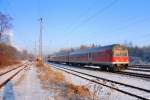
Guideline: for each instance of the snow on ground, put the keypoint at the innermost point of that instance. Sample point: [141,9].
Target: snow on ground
[119,78]
[25,86]
[134,71]
[30,88]
[104,93]
[3,78]
[6,68]
[138,82]
[7,91]
[135,68]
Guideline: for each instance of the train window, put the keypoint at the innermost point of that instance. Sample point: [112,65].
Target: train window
[120,53]
[90,55]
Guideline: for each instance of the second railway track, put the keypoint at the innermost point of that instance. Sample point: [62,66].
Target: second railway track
[3,73]
[145,76]
[139,69]
[5,79]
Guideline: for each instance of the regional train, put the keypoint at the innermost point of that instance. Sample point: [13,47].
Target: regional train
[111,57]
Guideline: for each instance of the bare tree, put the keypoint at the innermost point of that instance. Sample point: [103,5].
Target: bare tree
[83,47]
[5,23]
[93,45]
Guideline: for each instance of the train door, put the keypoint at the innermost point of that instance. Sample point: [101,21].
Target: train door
[89,57]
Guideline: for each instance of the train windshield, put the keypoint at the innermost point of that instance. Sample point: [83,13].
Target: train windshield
[119,51]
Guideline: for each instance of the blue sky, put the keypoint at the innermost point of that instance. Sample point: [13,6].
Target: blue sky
[70,23]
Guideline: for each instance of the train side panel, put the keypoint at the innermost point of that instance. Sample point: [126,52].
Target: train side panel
[102,57]
[78,58]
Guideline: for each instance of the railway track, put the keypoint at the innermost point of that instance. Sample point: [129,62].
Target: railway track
[139,69]
[3,73]
[145,76]
[138,75]
[134,74]
[144,68]
[16,70]
[96,79]
[141,65]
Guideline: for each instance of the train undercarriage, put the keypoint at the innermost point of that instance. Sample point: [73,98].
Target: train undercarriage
[104,67]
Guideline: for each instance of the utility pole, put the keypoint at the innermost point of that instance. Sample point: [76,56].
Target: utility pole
[35,51]
[1,30]
[40,42]
[40,39]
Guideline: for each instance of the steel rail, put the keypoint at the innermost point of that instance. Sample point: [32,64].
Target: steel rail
[12,76]
[146,76]
[1,74]
[134,69]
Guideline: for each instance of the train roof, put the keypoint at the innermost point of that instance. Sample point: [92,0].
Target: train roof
[86,50]
[94,49]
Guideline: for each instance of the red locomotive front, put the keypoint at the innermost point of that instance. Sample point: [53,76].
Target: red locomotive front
[120,55]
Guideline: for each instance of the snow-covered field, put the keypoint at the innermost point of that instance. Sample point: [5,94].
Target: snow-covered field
[119,78]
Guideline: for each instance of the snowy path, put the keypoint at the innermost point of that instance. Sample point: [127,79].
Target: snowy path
[30,87]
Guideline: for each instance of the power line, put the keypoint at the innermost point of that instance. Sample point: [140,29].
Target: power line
[142,37]
[94,15]
[39,7]
[81,15]
[132,23]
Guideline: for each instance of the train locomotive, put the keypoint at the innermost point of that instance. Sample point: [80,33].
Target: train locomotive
[111,58]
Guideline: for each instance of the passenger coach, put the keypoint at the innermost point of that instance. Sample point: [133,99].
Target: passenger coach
[113,57]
